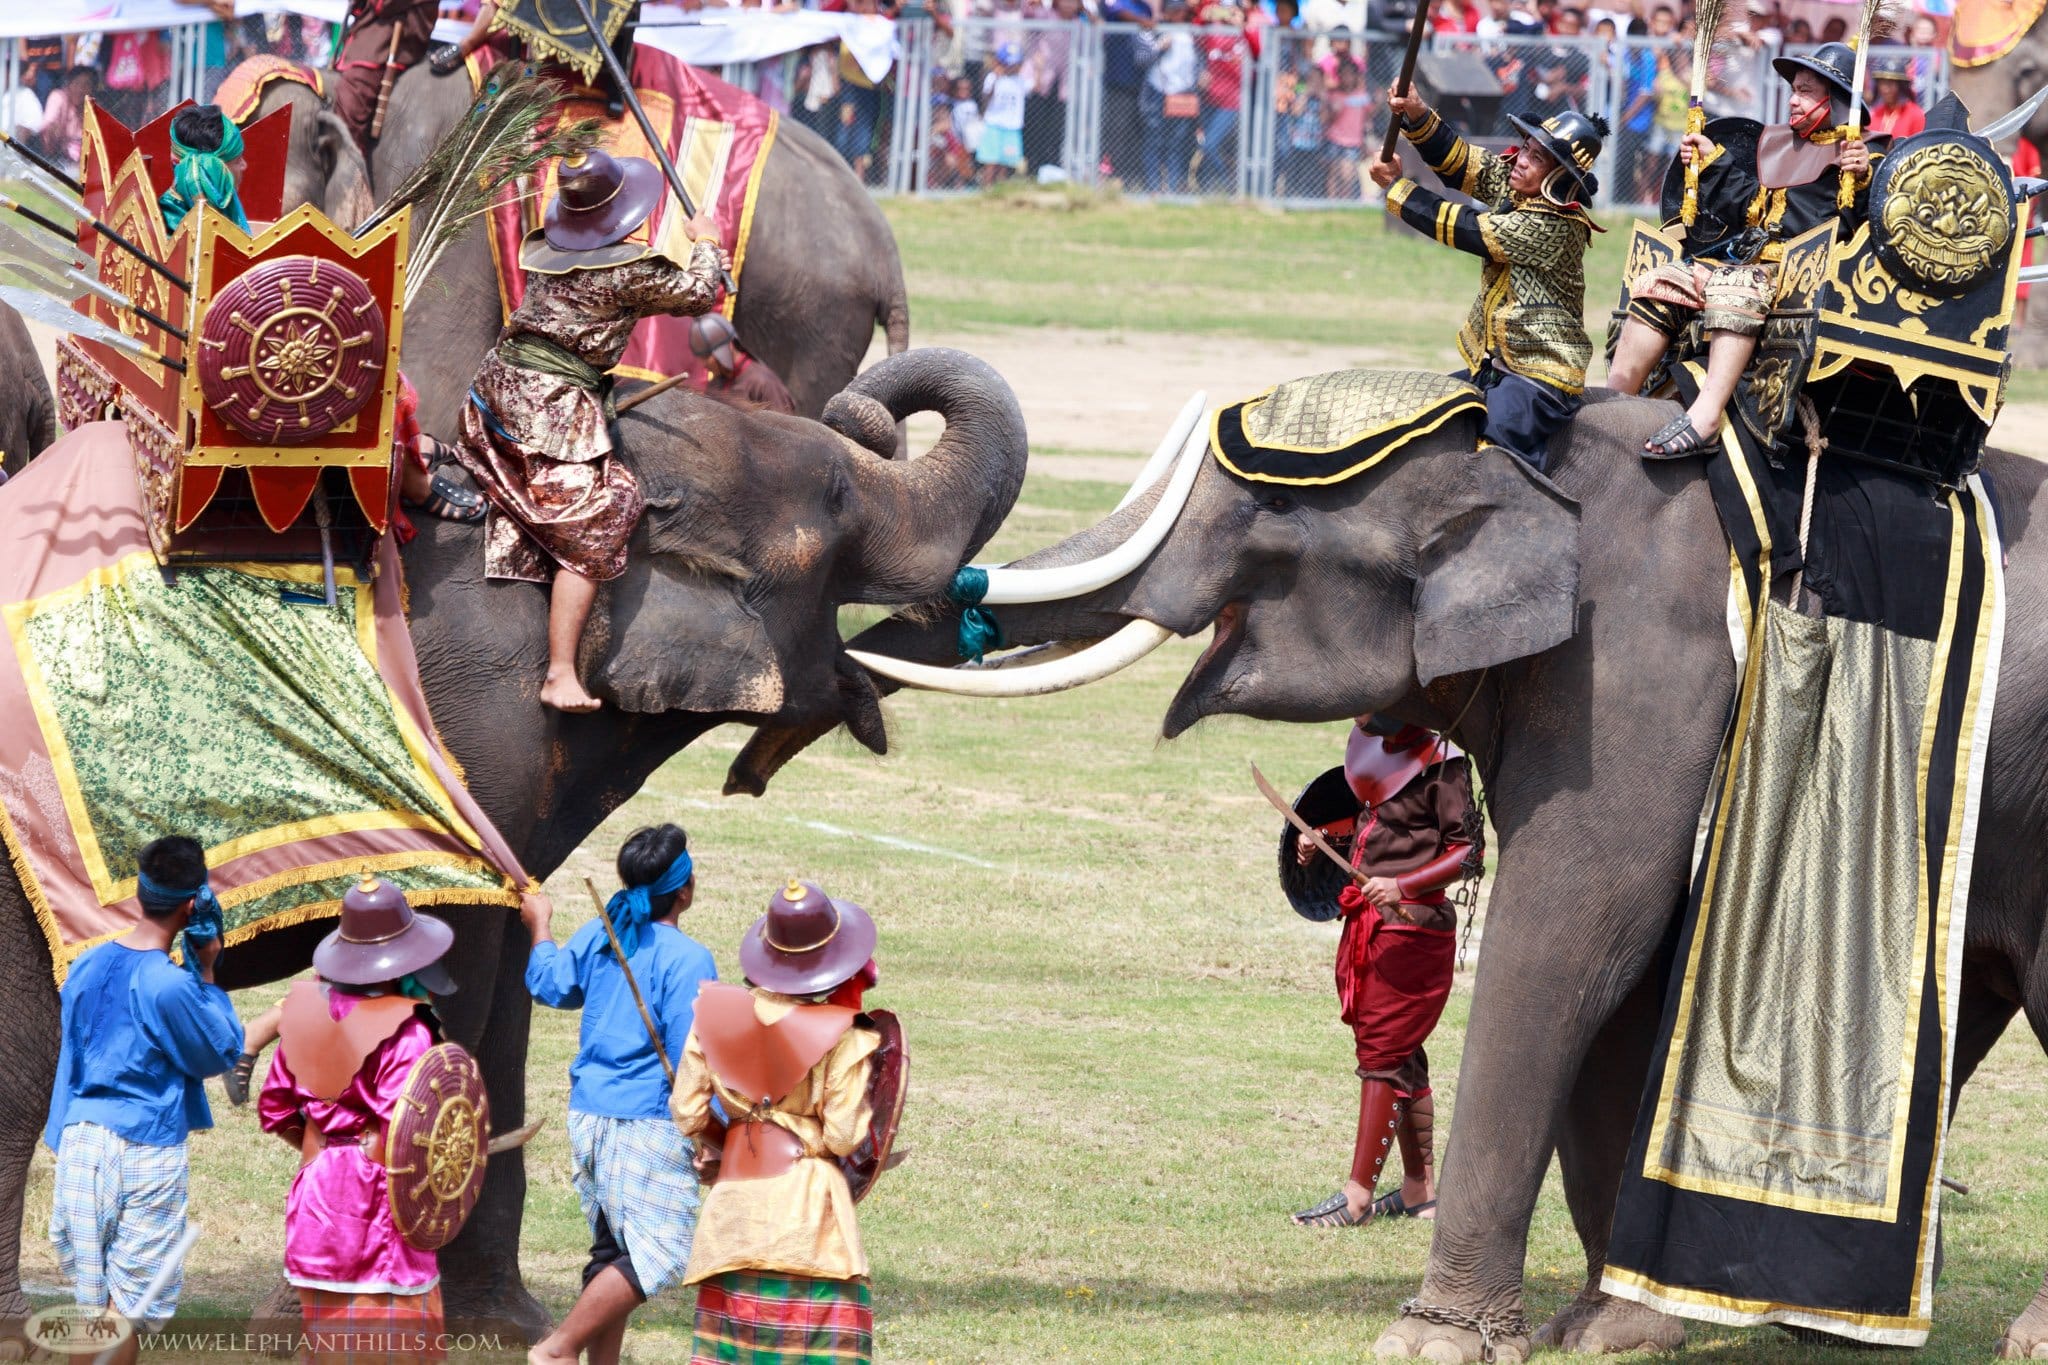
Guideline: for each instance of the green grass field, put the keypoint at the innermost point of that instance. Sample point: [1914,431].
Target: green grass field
[1127,1063]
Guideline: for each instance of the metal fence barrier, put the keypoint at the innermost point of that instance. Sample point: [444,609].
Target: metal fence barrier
[1169,111]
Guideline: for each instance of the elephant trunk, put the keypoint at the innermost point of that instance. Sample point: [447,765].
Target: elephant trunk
[929,515]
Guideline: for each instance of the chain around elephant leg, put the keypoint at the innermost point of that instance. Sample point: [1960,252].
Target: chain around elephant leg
[1440,1332]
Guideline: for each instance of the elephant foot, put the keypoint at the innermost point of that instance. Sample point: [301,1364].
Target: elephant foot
[1416,1338]
[2027,1338]
[1601,1324]
[14,1313]
[276,1317]
[502,1306]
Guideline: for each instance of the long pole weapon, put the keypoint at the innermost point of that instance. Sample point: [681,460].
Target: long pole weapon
[1416,29]
[653,1034]
[655,142]
[1707,28]
[1845,187]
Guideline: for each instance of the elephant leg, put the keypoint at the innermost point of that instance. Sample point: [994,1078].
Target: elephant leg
[28,986]
[1560,959]
[1592,1145]
[2027,1337]
[490,1015]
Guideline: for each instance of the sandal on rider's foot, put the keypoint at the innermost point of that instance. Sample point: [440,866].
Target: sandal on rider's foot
[1334,1212]
[1392,1205]
[450,501]
[238,1077]
[1677,437]
[437,451]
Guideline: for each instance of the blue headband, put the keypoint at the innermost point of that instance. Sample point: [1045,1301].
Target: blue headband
[632,908]
[206,923]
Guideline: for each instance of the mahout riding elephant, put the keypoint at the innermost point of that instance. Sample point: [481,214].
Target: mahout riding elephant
[28,414]
[821,270]
[1438,587]
[758,527]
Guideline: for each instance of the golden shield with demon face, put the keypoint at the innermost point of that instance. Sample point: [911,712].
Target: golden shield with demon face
[1942,213]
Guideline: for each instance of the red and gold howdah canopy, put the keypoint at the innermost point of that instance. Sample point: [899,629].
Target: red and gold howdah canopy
[289,363]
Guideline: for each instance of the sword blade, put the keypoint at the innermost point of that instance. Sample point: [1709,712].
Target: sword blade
[1302,827]
[1999,128]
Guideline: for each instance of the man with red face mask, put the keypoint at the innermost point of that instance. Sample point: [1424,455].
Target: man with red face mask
[1417,831]
[1750,207]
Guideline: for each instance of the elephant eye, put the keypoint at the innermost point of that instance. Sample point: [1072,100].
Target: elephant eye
[1277,502]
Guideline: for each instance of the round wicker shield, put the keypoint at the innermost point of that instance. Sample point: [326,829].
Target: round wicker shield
[888,1084]
[1312,887]
[291,349]
[435,1149]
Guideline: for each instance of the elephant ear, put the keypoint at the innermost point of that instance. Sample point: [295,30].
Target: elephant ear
[1498,571]
[683,635]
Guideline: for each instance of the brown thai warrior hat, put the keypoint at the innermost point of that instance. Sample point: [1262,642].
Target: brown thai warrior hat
[381,939]
[807,943]
[600,199]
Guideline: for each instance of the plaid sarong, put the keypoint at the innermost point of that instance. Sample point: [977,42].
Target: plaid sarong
[752,1319]
[116,1214]
[638,1174]
[354,1329]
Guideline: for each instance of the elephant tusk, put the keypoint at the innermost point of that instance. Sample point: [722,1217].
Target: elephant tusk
[518,1137]
[1008,586]
[1030,654]
[1131,643]
[1190,414]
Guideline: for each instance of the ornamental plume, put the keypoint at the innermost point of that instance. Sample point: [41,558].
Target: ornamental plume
[1710,19]
[509,133]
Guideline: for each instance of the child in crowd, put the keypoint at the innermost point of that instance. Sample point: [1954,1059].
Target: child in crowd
[1000,148]
[1344,117]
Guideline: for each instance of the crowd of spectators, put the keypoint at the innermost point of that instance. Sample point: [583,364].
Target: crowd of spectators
[1176,81]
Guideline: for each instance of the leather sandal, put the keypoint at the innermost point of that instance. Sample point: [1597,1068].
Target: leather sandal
[237,1079]
[1677,437]
[1334,1212]
[1392,1205]
[450,501]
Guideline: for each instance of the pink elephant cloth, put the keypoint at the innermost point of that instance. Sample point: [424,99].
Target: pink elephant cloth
[338,1231]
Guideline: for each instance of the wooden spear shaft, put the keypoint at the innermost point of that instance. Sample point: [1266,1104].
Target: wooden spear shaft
[1416,30]
[647,1018]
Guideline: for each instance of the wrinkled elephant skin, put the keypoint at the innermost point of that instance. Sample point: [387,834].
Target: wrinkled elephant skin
[28,414]
[1596,755]
[759,527]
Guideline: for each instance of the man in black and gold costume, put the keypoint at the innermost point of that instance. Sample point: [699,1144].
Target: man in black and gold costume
[1790,185]
[1524,343]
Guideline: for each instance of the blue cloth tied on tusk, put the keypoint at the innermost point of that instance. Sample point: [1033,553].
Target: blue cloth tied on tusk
[631,909]
[980,632]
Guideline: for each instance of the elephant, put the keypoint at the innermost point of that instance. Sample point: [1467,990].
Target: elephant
[1438,588]
[1988,91]
[758,527]
[28,416]
[821,270]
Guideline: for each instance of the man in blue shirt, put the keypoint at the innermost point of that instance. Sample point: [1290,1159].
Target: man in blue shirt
[140,1035]
[634,1169]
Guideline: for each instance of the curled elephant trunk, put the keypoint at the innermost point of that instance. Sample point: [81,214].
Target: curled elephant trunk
[949,501]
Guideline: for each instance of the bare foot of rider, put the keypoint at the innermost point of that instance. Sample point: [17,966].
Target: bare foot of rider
[564,691]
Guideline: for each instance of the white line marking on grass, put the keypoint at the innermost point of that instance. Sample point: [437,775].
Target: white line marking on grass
[888,840]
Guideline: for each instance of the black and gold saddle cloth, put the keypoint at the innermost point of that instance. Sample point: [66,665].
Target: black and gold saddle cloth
[1325,428]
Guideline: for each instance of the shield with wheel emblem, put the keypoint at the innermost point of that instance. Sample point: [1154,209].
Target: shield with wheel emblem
[888,1084]
[436,1146]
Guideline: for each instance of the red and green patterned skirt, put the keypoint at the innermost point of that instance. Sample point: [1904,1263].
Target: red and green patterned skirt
[757,1319]
[357,1329]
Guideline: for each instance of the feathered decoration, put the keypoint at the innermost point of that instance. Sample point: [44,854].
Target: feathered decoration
[1710,20]
[509,133]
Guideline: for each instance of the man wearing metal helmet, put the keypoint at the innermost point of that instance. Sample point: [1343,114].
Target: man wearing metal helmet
[1524,342]
[349,1040]
[736,377]
[538,431]
[1751,204]
[778,1262]
[1416,832]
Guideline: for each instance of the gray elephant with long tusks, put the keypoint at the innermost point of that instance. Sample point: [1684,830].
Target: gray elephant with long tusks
[1574,638]
[758,528]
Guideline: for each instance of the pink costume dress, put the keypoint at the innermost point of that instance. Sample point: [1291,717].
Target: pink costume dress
[338,1233]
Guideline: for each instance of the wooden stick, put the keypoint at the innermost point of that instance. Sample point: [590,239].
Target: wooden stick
[660,386]
[1413,55]
[653,1033]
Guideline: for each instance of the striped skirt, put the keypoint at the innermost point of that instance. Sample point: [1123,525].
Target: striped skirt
[756,1319]
[345,1329]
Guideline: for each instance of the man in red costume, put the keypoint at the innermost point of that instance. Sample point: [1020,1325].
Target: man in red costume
[382,39]
[1416,832]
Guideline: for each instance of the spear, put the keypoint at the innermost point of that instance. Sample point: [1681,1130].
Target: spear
[1416,29]
[59,273]
[619,952]
[1873,24]
[17,172]
[38,306]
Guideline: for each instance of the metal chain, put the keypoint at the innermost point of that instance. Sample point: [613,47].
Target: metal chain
[1492,1326]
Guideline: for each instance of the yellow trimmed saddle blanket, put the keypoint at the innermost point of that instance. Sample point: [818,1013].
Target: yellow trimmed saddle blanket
[1326,428]
[243,89]
[291,739]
